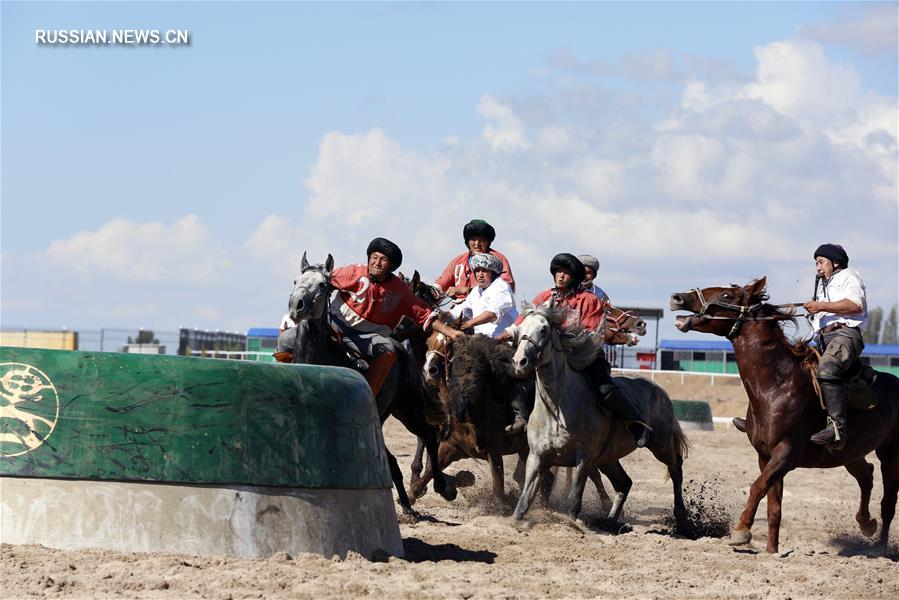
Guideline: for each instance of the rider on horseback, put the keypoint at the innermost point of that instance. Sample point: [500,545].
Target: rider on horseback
[371,302]
[588,311]
[591,267]
[839,318]
[458,279]
[490,306]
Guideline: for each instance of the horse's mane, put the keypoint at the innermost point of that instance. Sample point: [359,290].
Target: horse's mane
[805,354]
[581,346]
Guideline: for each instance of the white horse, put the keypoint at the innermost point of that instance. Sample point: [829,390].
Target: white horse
[567,427]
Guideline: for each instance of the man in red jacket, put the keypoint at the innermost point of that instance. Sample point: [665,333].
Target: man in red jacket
[586,310]
[457,279]
[371,302]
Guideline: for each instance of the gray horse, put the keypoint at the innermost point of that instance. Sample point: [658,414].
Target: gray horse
[569,429]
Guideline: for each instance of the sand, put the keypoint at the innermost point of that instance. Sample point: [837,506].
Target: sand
[470,548]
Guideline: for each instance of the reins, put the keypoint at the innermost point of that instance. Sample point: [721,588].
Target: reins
[745,312]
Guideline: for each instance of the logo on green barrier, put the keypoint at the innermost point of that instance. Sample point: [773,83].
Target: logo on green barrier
[29,408]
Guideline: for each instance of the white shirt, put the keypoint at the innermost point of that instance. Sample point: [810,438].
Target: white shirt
[845,284]
[496,298]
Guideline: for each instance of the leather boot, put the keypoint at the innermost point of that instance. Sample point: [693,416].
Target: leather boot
[624,409]
[378,370]
[739,424]
[867,374]
[834,434]
[520,408]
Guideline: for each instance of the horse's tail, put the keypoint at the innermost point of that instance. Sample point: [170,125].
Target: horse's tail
[679,440]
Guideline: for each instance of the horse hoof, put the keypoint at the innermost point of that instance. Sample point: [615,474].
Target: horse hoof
[464,478]
[449,493]
[869,528]
[413,495]
[739,537]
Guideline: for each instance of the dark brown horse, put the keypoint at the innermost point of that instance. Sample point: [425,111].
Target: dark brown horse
[784,410]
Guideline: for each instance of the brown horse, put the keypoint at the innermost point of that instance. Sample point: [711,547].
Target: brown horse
[784,409]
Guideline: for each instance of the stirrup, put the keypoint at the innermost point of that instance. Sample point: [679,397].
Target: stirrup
[830,437]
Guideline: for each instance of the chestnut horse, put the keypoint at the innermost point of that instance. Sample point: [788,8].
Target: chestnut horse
[784,409]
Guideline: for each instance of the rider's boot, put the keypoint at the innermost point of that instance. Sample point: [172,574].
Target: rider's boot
[834,434]
[378,370]
[519,406]
[625,410]
[739,424]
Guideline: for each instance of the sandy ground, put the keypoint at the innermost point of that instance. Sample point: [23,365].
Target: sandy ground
[470,548]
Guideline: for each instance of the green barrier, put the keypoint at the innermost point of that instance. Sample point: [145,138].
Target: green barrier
[130,417]
[694,411]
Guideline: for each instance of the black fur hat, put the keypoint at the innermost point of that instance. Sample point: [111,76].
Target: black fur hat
[570,263]
[834,253]
[388,249]
[478,228]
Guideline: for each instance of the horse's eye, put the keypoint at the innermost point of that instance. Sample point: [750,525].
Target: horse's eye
[725,296]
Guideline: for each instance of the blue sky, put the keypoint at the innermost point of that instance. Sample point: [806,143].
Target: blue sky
[684,143]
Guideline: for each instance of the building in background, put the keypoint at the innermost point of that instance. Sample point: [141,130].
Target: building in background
[51,340]
[712,356]
[261,344]
[217,344]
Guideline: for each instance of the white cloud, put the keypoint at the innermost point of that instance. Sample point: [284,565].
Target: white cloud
[504,132]
[141,253]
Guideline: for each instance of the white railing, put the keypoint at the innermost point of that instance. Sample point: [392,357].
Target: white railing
[683,374]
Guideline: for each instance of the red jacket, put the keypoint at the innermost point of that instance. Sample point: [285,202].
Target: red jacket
[584,308]
[459,273]
[371,306]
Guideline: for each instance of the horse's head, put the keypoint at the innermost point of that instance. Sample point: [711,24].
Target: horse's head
[624,320]
[430,293]
[718,310]
[439,353]
[311,290]
[538,326]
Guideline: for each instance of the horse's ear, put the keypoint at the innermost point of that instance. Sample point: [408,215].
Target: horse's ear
[416,280]
[329,263]
[756,288]
[304,264]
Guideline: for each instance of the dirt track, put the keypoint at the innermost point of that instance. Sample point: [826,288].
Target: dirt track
[479,553]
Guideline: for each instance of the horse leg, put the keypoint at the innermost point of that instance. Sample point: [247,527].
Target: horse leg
[447,454]
[518,475]
[443,485]
[671,457]
[889,468]
[596,478]
[782,461]
[775,497]
[621,483]
[417,462]
[576,493]
[497,471]
[863,471]
[532,472]
[397,477]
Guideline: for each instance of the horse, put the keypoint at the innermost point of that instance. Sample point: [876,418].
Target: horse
[784,408]
[403,394]
[475,398]
[568,428]
[479,404]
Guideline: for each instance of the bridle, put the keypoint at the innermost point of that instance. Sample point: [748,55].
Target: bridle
[445,355]
[745,312]
[623,315]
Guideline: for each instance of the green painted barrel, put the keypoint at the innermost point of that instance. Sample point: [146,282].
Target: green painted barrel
[130,417]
